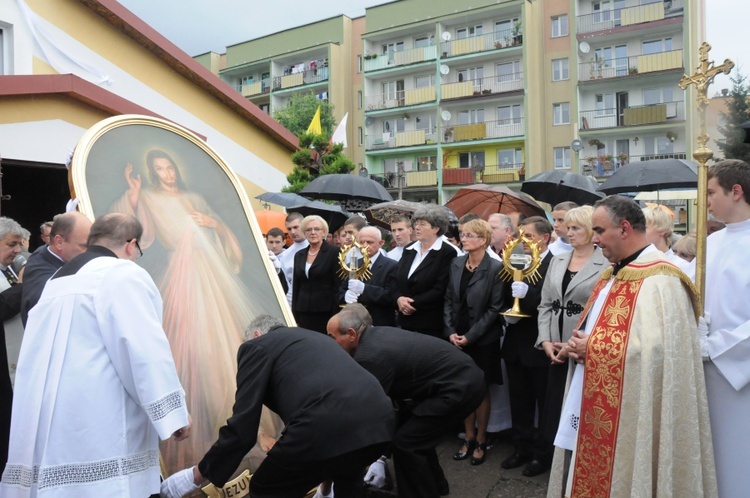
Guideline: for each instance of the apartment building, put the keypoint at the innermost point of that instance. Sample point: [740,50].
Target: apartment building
[446,94]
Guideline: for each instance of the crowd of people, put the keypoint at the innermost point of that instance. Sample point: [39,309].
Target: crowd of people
[620,382]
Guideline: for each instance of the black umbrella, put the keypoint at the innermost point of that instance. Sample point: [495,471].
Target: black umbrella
[656,174]
[285,199]
[343,187]
[382,213]
[555,187]
[334,215]
[746,127]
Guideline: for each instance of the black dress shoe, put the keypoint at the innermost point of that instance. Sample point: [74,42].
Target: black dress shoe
[470,445]
[515,460]
[535,468]
[480,460]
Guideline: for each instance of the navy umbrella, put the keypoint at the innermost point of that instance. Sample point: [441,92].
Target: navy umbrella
[555,187]
[655,174]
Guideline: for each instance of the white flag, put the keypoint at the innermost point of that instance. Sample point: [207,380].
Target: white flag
[339,136]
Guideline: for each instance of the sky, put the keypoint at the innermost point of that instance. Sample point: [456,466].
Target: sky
[200,26]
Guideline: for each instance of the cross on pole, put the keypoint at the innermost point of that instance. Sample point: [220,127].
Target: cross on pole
[702,78]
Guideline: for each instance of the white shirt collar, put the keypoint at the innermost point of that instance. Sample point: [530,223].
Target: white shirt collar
[417,246]
[55,255]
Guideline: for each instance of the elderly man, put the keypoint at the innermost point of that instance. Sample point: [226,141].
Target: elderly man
[401,230]
[68,237]
[337,417]
[375,292]
[442,383]
[97,371]
[293,225]
[10,304]
[44,231]
[636,413]
[502,230]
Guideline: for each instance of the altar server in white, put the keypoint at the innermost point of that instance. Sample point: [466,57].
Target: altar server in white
[96,385]
[725,338]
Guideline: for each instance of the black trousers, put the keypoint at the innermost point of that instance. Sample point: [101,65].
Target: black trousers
[283,479]
[527,389]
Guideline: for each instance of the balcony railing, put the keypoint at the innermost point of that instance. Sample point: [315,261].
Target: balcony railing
[629,16]
[633,116]
[502,128]
[606,164]
[255,88]
[482,86]
[402,139]
[482,43]
[408,179]
[400,98]
[302,78]
[401,58]
[625,66]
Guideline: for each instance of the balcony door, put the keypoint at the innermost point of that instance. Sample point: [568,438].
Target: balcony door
[622,104]
[393,93]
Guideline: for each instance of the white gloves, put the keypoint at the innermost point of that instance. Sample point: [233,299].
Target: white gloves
[510,320]
[275,261]
[519,289]
[179,484]
[703,323]
[356,286]
[376,474]
[350,297]
[319,493]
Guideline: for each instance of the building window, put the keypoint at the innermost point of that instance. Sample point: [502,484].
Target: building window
[426,123]
[509,158]
[424,41]
[389,48]
[657,46]
[560,70]
[562,157]
[605,104]
[266,108]
[472,116]
[508,71]
[468,32]
[424,81]
[2,51]
[560,26]
[359,63]
[561,113]
[359,99]
[360,135]
[471,159]
[426,163]
[509,114]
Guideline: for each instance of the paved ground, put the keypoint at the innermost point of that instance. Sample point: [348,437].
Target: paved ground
[488,480]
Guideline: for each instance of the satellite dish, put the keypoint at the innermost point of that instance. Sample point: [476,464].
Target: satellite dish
[445,115]
[584,47]
[576,145]
[446,36]
[444,69]
[369,121]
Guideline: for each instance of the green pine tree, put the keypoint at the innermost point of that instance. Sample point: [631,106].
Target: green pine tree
[738,112]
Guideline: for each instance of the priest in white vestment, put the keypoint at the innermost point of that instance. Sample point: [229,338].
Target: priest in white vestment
[726,348]
[96,385]
[635,415]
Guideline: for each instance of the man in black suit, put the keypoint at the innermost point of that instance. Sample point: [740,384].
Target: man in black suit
[68,237]
[338,419]
[375,292]
[10,305]
[527,366]
[443,385]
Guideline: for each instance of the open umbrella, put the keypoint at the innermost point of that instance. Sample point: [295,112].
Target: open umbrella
[285,199]
[270,219]
[343,187]
[334,215]
[484,200]
[655,174]
[555,187]
[382,213]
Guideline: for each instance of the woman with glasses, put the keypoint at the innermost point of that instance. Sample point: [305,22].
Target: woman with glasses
[473,302]
[421,277]
[315,277]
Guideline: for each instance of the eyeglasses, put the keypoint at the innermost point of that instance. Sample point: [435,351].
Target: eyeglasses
[313,230]
[138,246]
[422,224]
[467,235]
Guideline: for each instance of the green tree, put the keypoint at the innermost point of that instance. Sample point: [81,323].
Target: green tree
[298,114]
[316,156]
[738,112]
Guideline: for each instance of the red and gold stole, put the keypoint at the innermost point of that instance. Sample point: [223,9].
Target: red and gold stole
[602,388]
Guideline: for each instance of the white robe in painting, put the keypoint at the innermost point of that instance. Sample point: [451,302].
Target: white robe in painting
[728,371]
[206,309]
[96,387]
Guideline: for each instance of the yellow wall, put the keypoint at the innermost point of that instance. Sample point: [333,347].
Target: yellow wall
[450,157]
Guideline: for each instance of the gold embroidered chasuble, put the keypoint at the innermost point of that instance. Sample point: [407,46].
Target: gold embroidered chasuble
[644,427]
